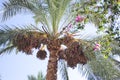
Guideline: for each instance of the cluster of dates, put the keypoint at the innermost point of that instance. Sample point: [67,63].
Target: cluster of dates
[73,54]
[26,41]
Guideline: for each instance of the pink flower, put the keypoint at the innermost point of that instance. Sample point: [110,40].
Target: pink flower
[97,44]
[79,18]
[97,47]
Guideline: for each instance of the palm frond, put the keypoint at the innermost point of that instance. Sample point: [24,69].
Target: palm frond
[104,68]
[10,36]
[37,7]
[86,72]
[13,7]
[63,70]
[56,10]
[31,77]
[40,76]
[115,47]
[49,13]
[8,49]
[83,70]
[41,15]
[8,33]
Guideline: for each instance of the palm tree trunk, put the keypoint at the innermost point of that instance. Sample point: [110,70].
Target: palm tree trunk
[52,66]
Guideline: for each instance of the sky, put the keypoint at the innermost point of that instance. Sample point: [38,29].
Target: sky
[18,66]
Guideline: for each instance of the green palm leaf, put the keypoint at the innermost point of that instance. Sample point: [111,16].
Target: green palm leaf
[31,78]
[8,35]
[39,77]
[13,7]
[48,13]
[104,68]
[116,47]
[56,11]
[63,70]
[8,49]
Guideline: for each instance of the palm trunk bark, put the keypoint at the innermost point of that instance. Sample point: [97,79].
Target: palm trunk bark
[52,66]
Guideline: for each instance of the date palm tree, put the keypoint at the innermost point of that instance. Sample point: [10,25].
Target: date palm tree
[59,25]
[49,14]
